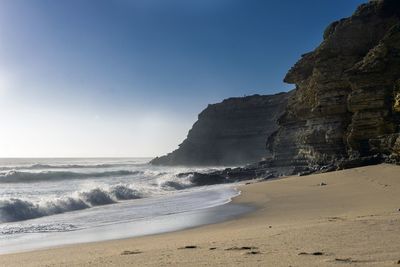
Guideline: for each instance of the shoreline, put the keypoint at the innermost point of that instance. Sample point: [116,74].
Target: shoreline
[354,218]
[214,208]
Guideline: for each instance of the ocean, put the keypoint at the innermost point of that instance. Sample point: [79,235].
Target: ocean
[52,202]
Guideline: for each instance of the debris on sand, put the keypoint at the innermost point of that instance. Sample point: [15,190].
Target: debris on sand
[241,248]
[317,253]
[130,252]
[188,247]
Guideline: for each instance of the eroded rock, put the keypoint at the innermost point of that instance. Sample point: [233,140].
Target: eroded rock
[347,99]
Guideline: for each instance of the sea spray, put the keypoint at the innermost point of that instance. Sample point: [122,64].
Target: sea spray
[26,177]
[34,188]
[15,209]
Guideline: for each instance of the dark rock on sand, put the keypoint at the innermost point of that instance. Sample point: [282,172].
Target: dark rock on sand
[130,252]
[261,171]
[252,252]
[207,178]
[317,253]
[188,247]
[242,248]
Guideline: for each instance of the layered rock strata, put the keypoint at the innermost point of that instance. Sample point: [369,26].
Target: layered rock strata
[346,105]
[344,112]
[232,132]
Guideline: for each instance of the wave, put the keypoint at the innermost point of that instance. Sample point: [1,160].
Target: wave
[174,182]
[174,185]
[16,209]
[24,177]
[65,166]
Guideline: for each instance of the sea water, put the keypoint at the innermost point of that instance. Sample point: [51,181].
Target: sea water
[53,202]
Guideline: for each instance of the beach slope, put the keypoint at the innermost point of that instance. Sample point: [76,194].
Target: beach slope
[332,219]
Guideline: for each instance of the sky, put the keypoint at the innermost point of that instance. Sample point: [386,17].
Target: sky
[127,78]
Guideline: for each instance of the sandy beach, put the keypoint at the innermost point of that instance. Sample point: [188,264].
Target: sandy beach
[333,219]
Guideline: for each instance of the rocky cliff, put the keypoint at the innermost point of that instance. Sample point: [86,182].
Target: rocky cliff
[344,112]
[232,132]
[347,99]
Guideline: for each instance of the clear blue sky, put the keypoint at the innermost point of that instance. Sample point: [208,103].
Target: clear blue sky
[128,77]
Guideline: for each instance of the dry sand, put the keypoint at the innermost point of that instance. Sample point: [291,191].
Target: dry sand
[353,219]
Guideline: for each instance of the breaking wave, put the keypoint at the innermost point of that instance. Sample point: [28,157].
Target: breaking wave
[174,182]
[23,177]
[174,185]
[16,209]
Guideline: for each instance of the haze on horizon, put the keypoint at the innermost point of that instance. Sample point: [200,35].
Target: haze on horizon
[116,78]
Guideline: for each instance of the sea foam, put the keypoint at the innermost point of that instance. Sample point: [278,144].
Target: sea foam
[16,209]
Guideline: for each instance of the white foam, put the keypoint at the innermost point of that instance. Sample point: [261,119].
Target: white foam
[177,211]
[87,200]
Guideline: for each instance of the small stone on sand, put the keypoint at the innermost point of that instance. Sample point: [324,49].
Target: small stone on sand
[317,253]
[344,260]
[241,248]
[129,252]
[188,247]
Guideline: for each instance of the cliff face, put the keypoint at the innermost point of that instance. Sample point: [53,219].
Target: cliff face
[346,105]
[347,99]
[232,132]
